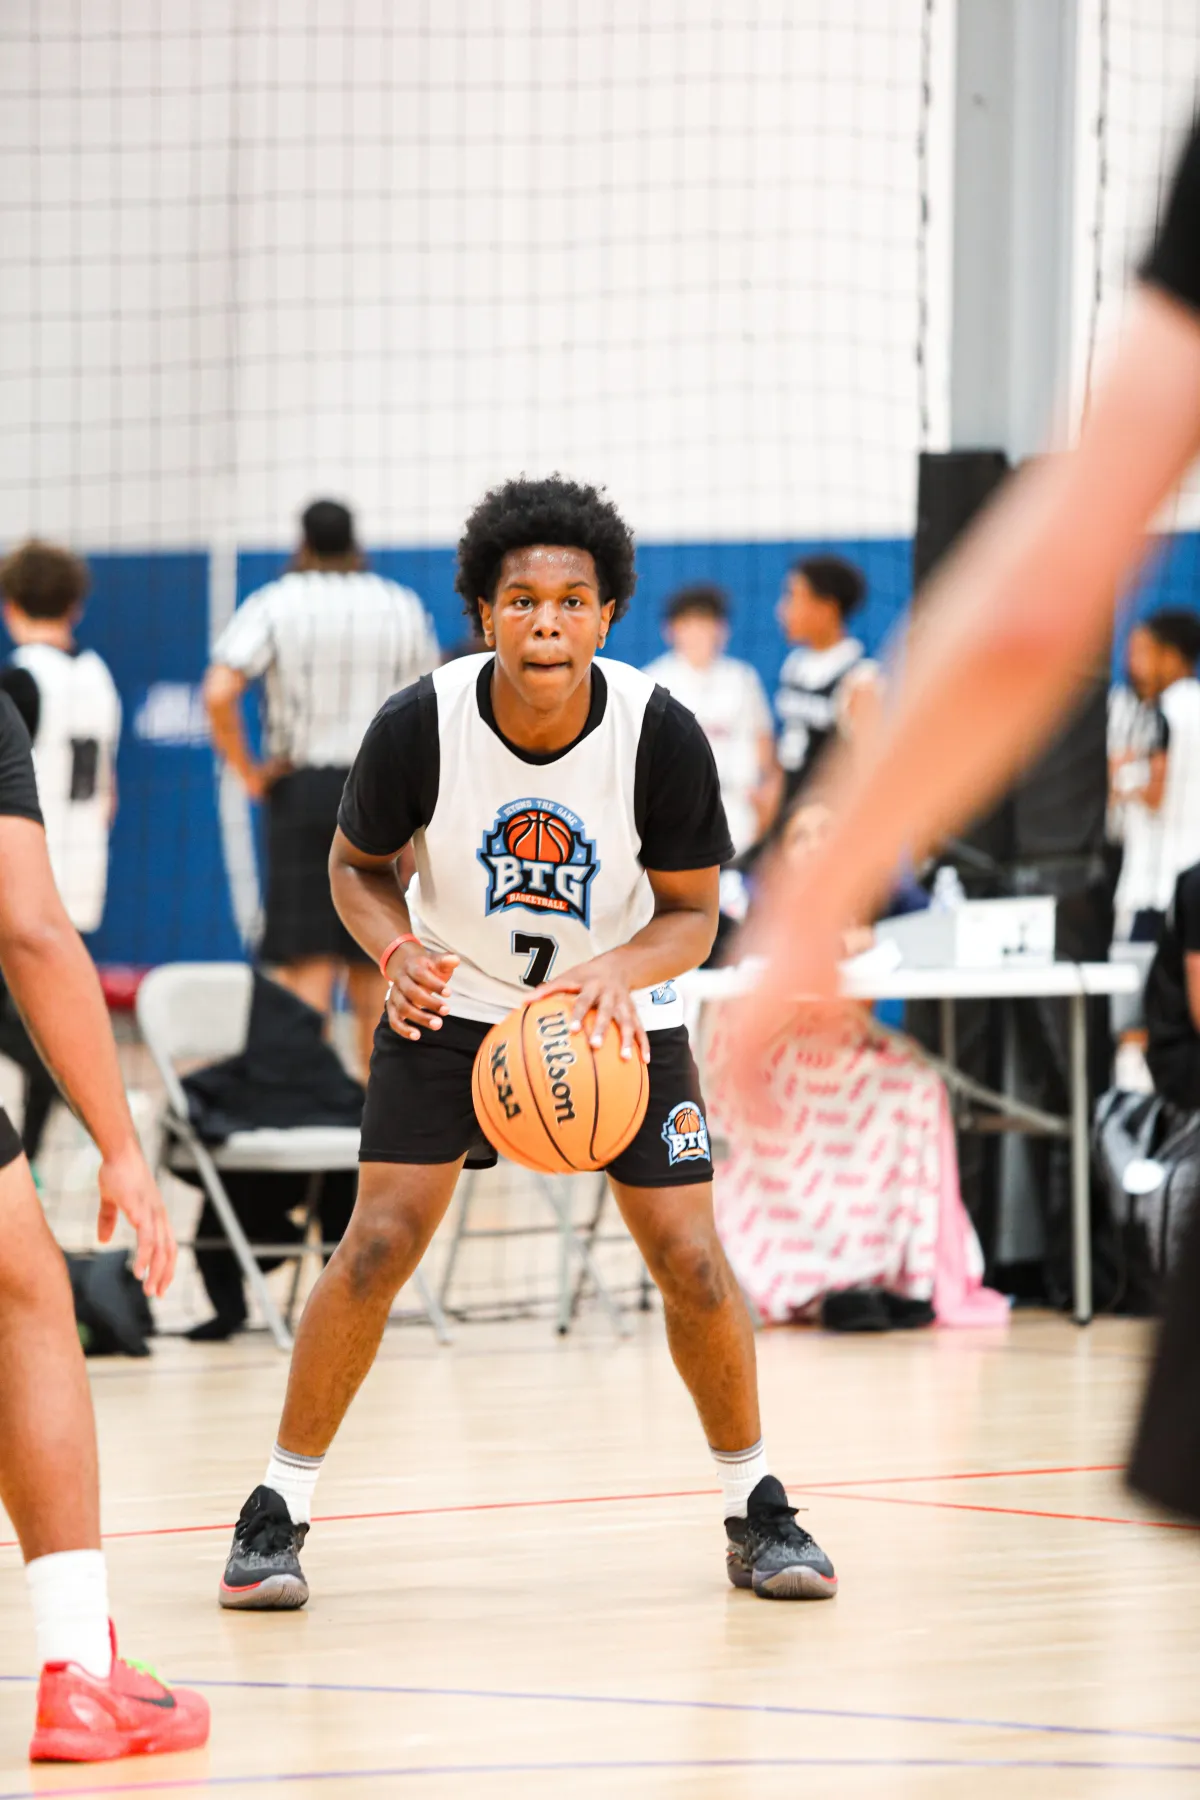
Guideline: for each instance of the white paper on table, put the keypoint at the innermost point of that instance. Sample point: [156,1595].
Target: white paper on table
[883,958]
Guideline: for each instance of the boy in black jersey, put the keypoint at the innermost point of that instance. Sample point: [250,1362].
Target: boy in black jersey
[533,729]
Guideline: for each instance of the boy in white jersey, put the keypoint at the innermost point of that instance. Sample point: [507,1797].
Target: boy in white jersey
[533,726]
[727,698]
[72,711]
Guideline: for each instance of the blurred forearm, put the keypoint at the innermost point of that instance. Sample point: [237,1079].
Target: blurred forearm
[1017,619]
[223,690]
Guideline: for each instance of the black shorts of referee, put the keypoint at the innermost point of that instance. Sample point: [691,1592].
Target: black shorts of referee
[301,921]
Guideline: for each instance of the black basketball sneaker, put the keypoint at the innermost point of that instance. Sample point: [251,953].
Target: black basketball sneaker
[263,1573]
[768,1551]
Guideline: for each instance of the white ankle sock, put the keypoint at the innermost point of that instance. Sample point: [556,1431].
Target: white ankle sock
[740,1472]
[69,1592]
[294,1477]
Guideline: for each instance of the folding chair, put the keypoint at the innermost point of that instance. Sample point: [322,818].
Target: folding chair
[574,1247]
[200,1012]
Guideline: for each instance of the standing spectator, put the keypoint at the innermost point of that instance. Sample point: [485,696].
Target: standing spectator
[728,699]
[331,642]
[1137,742]
[71,708]
[826,678]
[1157,779]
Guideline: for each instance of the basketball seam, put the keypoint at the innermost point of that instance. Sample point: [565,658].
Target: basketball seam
[643,1088]
[595,1108]
[503,1147]
[569,1166]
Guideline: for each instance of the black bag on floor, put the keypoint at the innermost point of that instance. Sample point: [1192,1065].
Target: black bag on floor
[1151,1222]
[112,1312]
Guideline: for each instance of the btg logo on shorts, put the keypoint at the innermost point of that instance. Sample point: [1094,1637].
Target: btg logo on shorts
[685,1134]
[537,856]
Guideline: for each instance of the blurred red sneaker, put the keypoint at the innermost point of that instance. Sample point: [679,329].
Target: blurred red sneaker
[81,1718]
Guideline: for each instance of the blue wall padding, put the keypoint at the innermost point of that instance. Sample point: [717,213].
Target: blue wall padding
[168,895]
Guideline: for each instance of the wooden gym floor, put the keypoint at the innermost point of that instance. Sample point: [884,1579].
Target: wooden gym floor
[518,1586]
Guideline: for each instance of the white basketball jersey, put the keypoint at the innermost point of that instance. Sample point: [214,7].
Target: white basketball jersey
[74,758]
[527,868]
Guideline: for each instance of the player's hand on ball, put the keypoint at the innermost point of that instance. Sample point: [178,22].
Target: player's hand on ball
[418,996]
[602,989]
[127,1186]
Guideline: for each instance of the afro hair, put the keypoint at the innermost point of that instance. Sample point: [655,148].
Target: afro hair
[550,511]
[44,581]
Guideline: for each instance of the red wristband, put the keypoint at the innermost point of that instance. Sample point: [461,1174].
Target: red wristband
[406,937]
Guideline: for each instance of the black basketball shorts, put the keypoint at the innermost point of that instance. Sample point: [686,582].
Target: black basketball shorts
[300,919]
[10,1140]
[419,1107]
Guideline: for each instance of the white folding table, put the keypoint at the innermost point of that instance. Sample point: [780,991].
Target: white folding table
[1074,982]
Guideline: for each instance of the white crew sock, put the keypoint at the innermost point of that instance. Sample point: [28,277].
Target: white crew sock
[740,1472]
[69,1592]
[294,1477]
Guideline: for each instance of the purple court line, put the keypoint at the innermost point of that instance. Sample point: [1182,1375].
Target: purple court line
[651,1703]
[628,1765]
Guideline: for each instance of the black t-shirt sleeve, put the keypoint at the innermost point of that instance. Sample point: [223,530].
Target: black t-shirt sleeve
[392,789]
[23,690]
[677,796]
[1174,261]
[18,788]
[1160,739]
[1187,910]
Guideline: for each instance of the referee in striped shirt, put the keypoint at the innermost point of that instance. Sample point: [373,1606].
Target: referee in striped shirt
[329,641]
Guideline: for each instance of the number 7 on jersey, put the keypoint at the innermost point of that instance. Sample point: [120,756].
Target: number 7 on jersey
[541,952]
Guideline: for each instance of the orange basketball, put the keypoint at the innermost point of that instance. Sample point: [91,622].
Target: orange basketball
[538,837]
[550,1102]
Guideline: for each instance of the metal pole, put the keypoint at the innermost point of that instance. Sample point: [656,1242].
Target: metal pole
[1014,192]
[949,1034]
[949,1045]
[1081,1220]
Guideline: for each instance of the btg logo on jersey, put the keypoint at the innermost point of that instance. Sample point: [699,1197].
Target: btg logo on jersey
[685,1134]
[537,856]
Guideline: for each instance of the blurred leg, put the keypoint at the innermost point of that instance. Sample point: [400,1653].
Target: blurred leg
[311,979]
[48,1473]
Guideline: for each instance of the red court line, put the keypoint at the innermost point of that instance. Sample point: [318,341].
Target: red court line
[1018,1512]
[419,1512]
[809,1487]
[967,1475]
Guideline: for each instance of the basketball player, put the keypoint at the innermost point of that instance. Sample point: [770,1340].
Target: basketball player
[567,828]
[826,677]
[70,705]
[91,1705]
[1012,628]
